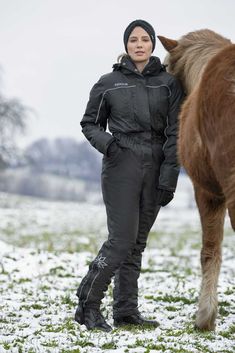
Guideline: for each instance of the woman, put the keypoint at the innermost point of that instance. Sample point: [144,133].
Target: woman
[140,101]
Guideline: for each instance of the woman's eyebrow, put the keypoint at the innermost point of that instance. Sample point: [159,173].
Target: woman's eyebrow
[135,37]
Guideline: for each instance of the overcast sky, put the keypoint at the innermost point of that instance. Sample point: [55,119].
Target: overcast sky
[53,51]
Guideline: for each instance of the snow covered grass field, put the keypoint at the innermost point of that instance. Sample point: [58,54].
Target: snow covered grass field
[45,248]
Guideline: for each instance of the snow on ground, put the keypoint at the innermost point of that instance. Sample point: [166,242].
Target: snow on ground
[45,248]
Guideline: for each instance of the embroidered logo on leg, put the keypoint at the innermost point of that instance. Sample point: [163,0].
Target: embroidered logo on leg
[100,261]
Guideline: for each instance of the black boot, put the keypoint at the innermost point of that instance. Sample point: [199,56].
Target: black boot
[91,318]
[134,319]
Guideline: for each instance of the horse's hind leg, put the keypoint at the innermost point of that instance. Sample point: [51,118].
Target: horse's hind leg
[231,212]
[212,213]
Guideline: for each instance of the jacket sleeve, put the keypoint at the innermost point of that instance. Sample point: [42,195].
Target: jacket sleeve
[170,168]
[94,121]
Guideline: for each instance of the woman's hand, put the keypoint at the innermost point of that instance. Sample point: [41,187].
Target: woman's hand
[164,197]
[112,149]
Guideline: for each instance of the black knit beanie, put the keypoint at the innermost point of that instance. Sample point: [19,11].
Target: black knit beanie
[139,23]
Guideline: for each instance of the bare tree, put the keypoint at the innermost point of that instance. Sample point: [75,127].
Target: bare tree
[13,116]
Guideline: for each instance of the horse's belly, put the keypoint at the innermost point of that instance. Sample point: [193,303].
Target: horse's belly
[194,158]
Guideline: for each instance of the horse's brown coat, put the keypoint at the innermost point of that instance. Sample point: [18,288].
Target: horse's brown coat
[204,61]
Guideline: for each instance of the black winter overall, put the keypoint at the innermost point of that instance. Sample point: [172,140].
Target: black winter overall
[141,110]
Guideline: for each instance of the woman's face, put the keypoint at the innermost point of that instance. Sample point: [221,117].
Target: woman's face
[139,45]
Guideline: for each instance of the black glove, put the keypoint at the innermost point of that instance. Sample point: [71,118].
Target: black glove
[164,197]
[112,149]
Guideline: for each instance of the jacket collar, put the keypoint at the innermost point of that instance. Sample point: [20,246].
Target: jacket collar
[127,66]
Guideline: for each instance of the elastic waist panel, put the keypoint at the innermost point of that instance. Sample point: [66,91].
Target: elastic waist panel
[142,138]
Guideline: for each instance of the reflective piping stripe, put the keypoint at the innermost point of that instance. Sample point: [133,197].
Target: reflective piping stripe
[80,292]
[91,286]
[109,89]
[167,120]
[85,282]
[169,90]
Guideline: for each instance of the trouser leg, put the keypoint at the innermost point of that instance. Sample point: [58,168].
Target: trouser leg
[121,186]
[126,276]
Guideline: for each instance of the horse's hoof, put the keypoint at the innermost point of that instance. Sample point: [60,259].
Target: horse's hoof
[205,327]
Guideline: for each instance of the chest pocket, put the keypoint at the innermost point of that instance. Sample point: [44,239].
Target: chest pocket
[120,100]
[158,105]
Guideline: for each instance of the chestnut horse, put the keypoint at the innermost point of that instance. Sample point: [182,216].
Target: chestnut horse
[204,62]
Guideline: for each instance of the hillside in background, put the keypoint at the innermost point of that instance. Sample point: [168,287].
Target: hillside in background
[64,157]
[60,169]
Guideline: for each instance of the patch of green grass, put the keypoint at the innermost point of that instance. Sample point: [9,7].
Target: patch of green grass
[229,291]
[18,341]
[224,303]
[27,292]
[55,270]
[23,325]
[84,343]
[66,326]
[146,270]
[148,344]
[3,320]
[171,308]
[3,271]
[23,280]
[11,314]
[202,348]
[180,350]
[10,257]
[229,333]
[6,345]
[188,271]
[60,271]
[173,333]
[171,299]
[67,300]
[68,240]
[135,328]
[109,345]
[44,288]
[37,315]
[34,306]
[154,237]
[51,344]
[188,329]
[9,231]
[223,311]
[53,328]
[37,332]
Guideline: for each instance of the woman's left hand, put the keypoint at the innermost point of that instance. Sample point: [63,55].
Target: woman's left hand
[164,197]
